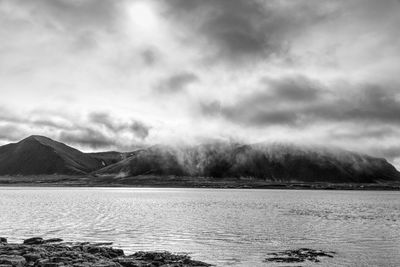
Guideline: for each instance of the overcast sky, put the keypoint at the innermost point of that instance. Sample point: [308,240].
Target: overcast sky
[113,74]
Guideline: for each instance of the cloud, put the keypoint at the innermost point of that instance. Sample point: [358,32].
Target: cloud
[177,82]
[73,15]
[367,133]
[391,152]
[36,119]
[293,89]
[243,30]
[97,130]
[278,102]
[365,103]
[326,70]
[140,130]
[149,56]
[10,132]
[56,123]
[87,137]
[8,116]
[298,101]
[71,26]
[113,124]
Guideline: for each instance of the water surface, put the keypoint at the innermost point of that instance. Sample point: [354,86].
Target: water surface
[225,227]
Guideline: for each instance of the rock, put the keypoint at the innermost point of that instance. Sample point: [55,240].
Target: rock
[34,241]
[3,240]
[105,251]
[106,264]
[37,252]
[14,260]
[32,257]
[53,264]
[166,258]
[102,244]
[60,259]
[128,262]
[53,240]
[298,255]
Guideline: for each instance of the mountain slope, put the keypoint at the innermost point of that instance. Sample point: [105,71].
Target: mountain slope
[272,162]
[110,157]
[106,158]
[41,155]
[155,160]
[275,162]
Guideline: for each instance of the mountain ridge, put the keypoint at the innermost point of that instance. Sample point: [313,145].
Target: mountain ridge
[273,162]
[37,155]
[41,155]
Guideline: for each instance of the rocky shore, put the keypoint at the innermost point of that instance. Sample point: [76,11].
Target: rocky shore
[54,252]
[299,255]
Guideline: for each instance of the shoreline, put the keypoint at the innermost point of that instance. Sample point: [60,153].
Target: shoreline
[54,252]
[148,181]
[39,252]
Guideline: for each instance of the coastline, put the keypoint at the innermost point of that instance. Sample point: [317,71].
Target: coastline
[182,182]
[54,252]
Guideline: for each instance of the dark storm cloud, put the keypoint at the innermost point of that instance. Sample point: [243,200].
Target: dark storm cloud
[256,115]
[79,22]
[277,103]
[149,56]
[11,132]
[74,15]
[51,123]
[391,152]
[87,137]
[299,102]
[294,89]
[104,119]
[245,29]
[7,116]
[368,103]
[139,129]
[357,133]
[177,82]
[39,120]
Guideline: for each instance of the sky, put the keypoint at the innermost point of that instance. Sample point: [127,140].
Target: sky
[117,74]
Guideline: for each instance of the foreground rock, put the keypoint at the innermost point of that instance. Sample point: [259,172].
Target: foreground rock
[48,253]
[298,255]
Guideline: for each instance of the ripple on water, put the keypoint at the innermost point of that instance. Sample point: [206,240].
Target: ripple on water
[227,227]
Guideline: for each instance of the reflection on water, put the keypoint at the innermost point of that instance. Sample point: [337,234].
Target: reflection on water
[225,227]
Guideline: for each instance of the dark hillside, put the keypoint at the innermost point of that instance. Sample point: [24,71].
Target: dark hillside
[274,162]
[41,155]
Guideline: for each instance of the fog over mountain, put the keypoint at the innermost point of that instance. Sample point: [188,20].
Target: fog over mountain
[37,155]
[115,75]
[272,162]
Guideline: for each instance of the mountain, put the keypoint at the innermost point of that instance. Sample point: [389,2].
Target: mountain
[158,160]
[42,155]
[269,162]
[107,158]
[110,157]
[274,162]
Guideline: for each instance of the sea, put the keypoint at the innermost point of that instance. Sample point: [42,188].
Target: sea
[225,227]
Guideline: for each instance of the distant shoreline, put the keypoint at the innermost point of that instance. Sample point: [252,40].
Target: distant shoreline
[182,182]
